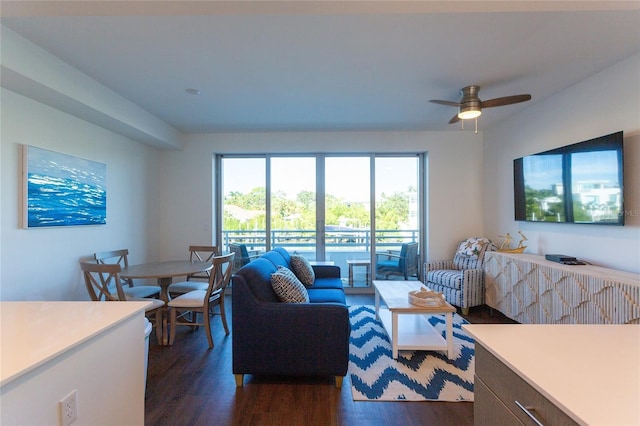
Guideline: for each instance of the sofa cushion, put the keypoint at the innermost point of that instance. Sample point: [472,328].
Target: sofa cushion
[276,258]
[288,287]
[303,270]
[257,274]
[285,254]
[329,283]
[326,295]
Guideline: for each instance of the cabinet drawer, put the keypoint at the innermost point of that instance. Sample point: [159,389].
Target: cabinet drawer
[509,388]
[488,410]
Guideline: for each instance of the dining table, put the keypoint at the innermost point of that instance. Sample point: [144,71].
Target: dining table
[164,272]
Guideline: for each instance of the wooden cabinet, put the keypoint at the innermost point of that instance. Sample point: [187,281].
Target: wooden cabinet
[502,397]
[532,290]
[566,374]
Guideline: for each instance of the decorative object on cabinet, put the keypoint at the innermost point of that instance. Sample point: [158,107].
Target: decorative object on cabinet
[505,247]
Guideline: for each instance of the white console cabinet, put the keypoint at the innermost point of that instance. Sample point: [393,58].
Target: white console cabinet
[532,290]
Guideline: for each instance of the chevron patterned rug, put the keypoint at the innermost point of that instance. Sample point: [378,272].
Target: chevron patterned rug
[415,375]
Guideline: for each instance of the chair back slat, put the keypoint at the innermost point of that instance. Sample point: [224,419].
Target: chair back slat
[409,258]
[103,281]
[220,276]
[117,257]
[201,254]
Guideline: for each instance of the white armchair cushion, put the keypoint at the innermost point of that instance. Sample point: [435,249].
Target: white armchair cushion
[193,299]
[187,286]
[141,291]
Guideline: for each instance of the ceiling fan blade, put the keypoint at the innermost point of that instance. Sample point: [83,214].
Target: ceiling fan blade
[448,103]
[454,119]
[507,100]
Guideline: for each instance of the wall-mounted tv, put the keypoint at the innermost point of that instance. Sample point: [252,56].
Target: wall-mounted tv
[579,183]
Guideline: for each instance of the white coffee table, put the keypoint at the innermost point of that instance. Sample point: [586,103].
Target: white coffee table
[405,323]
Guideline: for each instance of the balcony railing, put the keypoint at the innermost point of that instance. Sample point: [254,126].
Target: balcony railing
[340,245]
[335,240]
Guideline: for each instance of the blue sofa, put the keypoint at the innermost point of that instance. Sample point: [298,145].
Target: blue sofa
[288,339]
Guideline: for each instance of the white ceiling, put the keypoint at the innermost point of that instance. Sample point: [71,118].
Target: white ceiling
[306,65]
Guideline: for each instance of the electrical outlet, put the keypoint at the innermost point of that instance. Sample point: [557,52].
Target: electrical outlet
[69,409]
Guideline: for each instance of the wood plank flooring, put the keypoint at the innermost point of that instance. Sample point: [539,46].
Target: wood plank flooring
[188,384]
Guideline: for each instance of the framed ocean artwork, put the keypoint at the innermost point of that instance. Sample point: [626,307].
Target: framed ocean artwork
[62,190]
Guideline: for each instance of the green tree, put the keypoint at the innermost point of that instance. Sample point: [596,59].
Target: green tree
[393,211]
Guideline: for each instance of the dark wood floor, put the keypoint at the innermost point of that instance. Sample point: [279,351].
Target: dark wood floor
[188,384]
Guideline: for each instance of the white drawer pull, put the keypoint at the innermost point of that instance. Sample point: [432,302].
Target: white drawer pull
[527,411]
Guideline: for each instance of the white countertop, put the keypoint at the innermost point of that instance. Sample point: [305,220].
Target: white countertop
[32,333]
[591,372]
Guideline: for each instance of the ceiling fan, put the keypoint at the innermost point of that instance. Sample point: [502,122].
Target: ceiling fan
[470,105]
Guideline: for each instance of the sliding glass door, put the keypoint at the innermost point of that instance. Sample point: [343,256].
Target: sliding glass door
[348,216]
[293,204]
[397,217]
[337,209]
[243,208]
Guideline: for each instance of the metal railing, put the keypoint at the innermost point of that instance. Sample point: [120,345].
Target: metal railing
[305,240]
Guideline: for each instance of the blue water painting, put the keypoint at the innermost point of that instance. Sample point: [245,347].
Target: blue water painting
[64,190]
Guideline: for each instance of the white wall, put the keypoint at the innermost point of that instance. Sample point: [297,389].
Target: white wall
[32,71]
[42,263]
[604,103]
[454,177]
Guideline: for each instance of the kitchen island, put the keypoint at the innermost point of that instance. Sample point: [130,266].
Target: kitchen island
[559,374]
[52,349]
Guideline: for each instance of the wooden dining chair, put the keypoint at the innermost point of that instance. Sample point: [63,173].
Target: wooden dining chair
[121,257]
[197,281]
[202,301]
[103,283]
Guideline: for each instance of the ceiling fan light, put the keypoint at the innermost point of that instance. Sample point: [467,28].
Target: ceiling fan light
[469,113]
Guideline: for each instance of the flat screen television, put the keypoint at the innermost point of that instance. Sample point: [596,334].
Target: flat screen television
[578,183]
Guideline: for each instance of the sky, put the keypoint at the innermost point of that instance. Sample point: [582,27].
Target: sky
[347,177]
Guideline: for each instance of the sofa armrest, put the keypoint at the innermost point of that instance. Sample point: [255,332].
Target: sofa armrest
[438,265]
[288,338]
[326,271]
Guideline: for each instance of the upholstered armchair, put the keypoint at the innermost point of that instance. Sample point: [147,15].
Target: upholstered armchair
[461,280]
